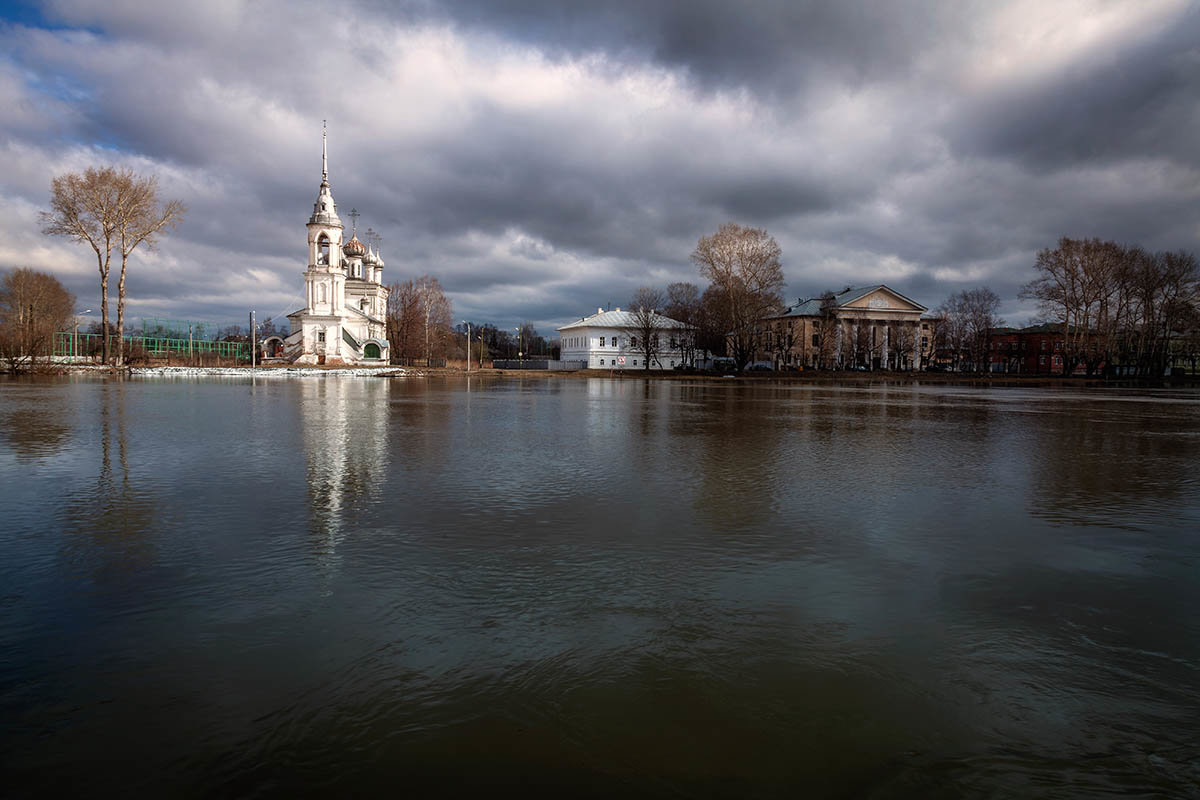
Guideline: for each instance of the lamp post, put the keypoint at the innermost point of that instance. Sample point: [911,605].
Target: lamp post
[519,353]
[468,346]
[480,351]
[75,344]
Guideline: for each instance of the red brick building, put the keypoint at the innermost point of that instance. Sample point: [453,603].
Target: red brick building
[1036,350]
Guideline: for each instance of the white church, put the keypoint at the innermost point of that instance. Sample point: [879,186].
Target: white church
[343,319]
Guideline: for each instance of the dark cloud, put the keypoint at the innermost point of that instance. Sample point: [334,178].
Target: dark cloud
[543,159]
[768,46]
[1133,100]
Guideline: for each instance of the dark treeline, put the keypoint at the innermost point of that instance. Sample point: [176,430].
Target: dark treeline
[1118,305]
[33,307]
[496,342]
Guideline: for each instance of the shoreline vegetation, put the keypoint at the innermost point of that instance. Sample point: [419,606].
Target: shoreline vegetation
[808,376]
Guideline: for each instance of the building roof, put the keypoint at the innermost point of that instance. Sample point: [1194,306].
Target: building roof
[812,306]
[620,319]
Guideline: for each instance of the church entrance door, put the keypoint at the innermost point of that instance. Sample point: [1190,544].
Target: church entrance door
[371,350]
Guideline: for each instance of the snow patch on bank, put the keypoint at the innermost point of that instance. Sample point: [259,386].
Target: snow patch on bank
[273,372]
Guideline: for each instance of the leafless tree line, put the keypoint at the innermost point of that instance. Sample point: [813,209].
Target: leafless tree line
[33,307]
[419,319]
[1116,304]
[963,327]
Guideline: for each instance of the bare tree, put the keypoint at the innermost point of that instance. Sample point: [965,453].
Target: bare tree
[403,318]
[109,207]
[436,314]
[743,265]
[901,342]
[33,306]
[84,209]
[684,305]
[712,322]
[140,219]
[969,317]
[1075,288]
[647,323]
[933,338]
[826,327]
[779,342]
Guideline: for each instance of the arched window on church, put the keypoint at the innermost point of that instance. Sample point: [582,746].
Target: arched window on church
[363,305]
[323,249]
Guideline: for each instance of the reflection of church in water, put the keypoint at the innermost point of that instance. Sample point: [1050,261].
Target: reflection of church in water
[343,319]
[345,434]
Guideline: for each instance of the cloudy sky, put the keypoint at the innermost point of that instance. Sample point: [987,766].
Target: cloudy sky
[545,158]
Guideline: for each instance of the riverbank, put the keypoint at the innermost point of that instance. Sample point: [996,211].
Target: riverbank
[239,372]
[810,377]
[838,377]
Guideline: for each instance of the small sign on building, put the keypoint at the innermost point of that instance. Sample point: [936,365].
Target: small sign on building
[621,360]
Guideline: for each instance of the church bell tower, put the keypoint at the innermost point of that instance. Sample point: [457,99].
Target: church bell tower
[325,278]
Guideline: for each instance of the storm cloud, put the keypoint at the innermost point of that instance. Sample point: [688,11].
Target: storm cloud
[543,159]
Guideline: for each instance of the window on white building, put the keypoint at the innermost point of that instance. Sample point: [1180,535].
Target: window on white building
[602,345]
[602,362]
[320,336]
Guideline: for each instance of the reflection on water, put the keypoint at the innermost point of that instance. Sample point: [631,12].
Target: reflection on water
[597,587]
[109,520]
[32,425]
[344,425]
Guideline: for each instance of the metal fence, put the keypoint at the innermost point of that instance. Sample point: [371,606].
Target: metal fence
[537,363]
[90,345]
[418,362]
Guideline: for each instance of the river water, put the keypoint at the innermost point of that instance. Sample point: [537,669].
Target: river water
[592,587]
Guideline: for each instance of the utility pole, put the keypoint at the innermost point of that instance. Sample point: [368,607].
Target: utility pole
[191,356]
[75,346]
[253,354]
[468,346]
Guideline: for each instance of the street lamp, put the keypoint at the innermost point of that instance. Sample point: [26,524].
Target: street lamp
[75,347]
[519,353]
[468,346]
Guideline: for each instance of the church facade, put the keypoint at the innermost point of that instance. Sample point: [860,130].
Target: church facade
[344,317]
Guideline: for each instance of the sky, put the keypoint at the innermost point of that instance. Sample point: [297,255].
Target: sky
[544,159]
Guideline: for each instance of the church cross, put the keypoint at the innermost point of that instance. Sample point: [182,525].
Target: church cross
[354,215]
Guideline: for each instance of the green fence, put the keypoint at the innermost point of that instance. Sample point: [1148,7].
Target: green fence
[91,344]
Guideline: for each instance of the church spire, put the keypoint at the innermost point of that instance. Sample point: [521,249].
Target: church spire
[324,210]
[324,156]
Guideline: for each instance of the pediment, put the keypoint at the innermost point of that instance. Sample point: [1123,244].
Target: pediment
[884,299]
